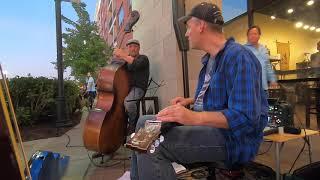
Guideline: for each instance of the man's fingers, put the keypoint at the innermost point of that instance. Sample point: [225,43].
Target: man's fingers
[174,101]
[169,109]
[165,112]
[167,119]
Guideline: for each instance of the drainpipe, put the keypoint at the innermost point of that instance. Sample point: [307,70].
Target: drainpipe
[178,10]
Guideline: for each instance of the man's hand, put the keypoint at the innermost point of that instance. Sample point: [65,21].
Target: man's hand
[182,101]
[178,113]
[120,53]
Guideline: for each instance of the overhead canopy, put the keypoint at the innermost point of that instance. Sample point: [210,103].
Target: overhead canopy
[308,14]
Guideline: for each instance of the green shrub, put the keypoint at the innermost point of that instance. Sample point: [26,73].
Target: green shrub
[34,98]
[23,116]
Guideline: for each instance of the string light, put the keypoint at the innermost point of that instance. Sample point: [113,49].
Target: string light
[312,28]
[299,24]
[309,3]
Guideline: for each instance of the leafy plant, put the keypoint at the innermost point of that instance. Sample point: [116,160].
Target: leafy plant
[34,98]
[84,51]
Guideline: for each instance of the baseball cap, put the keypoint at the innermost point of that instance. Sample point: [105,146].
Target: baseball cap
[208,12]
[133,41]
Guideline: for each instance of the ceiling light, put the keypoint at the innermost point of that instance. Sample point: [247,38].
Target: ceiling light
[318,30]
[272,17]
[306,26]
[290,10]
[312,28]
[309,3]
[299,24]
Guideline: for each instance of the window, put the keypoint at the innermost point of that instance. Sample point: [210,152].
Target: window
[290,33]
[111,31]
[236,20]
[291,30]
[110,6]
[130,4]
[232,9]
[120,16]
[110,24]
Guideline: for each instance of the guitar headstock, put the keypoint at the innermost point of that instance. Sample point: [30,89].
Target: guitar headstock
[146,138]
[134,17]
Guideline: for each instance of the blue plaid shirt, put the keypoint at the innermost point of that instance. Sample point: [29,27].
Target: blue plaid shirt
[236,90]
[262,55]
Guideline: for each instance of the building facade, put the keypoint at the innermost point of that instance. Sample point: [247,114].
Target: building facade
[158,41]
[111,17]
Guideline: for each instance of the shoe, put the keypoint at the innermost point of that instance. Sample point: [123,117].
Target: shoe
[97,155]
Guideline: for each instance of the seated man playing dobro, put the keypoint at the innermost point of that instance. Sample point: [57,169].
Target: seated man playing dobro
[230,106]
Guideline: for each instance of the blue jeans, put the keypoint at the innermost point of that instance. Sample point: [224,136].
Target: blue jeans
[183,145]
[131,102]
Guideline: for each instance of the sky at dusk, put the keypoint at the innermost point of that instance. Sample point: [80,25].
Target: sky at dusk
[28,34]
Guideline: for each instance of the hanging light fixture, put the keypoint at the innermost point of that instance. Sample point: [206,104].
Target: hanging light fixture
[312,28]
[290,11]
[299,24]
[309,3]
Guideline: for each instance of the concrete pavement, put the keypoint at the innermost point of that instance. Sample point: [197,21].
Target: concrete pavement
[79,166]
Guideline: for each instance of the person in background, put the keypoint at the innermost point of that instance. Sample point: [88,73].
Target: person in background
[315,61]
[261,52]
[91,89]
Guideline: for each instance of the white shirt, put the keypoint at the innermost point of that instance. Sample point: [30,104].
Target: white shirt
[90,84]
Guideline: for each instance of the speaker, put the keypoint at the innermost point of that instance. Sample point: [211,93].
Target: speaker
[46,165]
[309,171]
[178,10]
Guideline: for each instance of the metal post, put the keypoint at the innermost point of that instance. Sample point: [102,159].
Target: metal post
[278,170]
[62,119]
[250,11]
[185,74]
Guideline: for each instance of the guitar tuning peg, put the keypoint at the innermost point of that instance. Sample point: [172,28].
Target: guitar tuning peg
[156,143]
[131,136]
[152,149]
[161,138]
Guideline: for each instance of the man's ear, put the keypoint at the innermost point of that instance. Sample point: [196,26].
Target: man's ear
[202,26]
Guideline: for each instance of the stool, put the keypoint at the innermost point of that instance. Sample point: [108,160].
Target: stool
[155,103]
[312,105]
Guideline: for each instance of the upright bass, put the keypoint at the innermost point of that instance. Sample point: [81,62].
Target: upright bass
[105,127]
